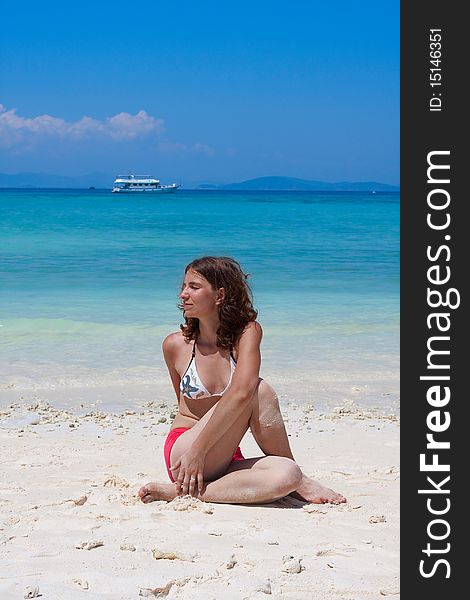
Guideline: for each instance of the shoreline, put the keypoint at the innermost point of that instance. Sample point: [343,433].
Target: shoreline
[116,390]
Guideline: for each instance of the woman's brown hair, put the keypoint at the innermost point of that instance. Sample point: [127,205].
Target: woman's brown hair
[236,310]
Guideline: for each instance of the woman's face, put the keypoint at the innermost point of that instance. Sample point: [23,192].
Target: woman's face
[198,297]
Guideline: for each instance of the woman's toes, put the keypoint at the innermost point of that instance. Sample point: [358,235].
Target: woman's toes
[143,491]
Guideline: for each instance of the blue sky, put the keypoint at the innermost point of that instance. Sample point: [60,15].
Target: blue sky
[202,91]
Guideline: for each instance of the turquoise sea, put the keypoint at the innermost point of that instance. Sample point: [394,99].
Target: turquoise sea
[89,283]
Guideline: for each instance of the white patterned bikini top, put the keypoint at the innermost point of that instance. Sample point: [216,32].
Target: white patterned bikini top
[191,385]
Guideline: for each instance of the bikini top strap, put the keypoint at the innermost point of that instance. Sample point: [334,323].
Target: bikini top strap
[194,349]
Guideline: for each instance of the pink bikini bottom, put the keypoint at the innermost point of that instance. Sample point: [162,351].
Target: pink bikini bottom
[173,435]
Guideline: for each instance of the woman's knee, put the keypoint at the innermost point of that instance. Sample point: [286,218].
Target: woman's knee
[267,394]
[267,409]
[285,474]
[293,473]
[267,415]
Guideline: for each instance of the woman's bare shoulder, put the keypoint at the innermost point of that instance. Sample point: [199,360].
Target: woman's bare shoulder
[253,328]
[251,336]
[174,342]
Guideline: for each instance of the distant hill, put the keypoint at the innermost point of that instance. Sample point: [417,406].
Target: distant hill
[292,183]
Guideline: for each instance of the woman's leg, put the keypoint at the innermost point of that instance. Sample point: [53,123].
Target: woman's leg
[264,417]
[219,457]
[269,431]
[249,481]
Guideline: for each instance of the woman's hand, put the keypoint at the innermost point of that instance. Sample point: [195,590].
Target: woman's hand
[190,476]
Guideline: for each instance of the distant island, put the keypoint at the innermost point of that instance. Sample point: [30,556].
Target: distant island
[308,185]
[275,183]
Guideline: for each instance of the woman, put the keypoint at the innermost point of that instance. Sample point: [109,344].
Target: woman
[220,346]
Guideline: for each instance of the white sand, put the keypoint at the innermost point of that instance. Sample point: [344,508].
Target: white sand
[72,526]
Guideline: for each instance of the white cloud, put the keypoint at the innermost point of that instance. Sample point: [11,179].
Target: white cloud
[16,130]
[126,126]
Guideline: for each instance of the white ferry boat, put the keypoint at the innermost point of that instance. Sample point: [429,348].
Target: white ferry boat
[144,184]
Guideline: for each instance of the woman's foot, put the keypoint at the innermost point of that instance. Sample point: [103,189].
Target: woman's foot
[312,491]
[157,491]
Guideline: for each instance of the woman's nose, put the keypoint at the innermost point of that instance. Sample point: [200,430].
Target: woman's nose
[183,294]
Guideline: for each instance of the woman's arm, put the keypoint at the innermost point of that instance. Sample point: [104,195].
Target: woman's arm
[169,348]
[242,387]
